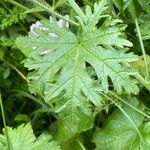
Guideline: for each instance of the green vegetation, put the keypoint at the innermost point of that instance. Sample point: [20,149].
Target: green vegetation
[75,74]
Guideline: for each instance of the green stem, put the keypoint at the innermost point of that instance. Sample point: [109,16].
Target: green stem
[78,10]
[54,13]
[5,6]
[20,73]
[143,50]
[38,101]
[122,100]
[4,122]
[143,82]
[25,8]
[81,145]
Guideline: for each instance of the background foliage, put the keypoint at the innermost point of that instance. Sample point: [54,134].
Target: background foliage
[112,111]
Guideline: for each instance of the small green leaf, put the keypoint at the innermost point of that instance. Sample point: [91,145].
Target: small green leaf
[23,138]
[22,118]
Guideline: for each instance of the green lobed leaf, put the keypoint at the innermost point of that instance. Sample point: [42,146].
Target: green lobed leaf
[23,138]
[58,60]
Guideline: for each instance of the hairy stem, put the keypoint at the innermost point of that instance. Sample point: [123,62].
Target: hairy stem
[25,8]
[48,9]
